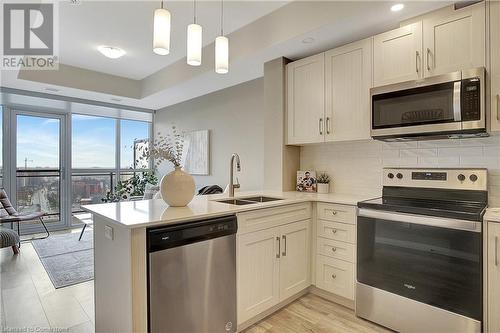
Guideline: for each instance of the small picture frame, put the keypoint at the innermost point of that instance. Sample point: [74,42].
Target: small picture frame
[306,181]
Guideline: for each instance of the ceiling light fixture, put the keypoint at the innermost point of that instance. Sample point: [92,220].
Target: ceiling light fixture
[397,7]
[194,41]
[111,51]
[221,47]
[308,40]
[161,31]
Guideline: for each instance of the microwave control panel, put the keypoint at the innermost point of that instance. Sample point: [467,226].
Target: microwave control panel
[470,100]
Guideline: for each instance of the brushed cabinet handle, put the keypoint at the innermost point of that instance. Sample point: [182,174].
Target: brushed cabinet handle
[334,231]
[416,61]
[334,276]
[334,212]
[496,250]
[320,126]
[428,59]
[284,246]
[334,249]
[279,247]
[498,106]
[327,125]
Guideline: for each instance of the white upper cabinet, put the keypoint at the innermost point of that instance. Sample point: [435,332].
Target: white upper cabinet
[456,41]
[348,81]
[397,55]
[306,100]
[495,64]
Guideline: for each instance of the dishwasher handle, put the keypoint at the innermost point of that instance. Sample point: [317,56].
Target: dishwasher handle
[163,238]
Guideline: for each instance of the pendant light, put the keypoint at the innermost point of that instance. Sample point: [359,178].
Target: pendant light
[161,31]
[221,47]
[194,41]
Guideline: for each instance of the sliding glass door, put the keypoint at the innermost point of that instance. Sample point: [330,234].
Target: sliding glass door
[38,180]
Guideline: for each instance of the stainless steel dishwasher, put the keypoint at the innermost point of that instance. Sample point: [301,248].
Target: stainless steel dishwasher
[192,277]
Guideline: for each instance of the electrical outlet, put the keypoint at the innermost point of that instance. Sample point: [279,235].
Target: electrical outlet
[108,232]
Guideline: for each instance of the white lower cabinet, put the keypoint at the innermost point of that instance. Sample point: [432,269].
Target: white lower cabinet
[295,274]
[336,249]
[273,264]
[493,268]
[335,276]
[258,272]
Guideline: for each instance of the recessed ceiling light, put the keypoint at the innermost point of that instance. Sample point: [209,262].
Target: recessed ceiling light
[397,7]
[111,51]
[308,40]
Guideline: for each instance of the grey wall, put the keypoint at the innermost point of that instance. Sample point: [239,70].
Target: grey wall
[235,118]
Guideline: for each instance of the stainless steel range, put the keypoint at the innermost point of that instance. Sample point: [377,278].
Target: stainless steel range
[419,251]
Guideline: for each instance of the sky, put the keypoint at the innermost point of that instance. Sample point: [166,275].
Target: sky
[93,141]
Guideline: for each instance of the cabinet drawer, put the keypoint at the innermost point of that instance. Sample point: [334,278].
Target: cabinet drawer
[272,217]
[337,231]
[337,213]
[335,249]
[335,276]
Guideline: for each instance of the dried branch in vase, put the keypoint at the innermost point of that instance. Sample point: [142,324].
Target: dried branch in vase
[167,147]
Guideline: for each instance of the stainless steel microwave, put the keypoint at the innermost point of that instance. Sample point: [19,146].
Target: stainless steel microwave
[450,105]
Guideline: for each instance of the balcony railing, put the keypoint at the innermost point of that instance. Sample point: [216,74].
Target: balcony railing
[91,187]
[39,190]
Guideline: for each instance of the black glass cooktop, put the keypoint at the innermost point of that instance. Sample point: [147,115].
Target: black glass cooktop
[463,205]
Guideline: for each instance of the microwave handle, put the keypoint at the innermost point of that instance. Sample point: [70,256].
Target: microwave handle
[457,112]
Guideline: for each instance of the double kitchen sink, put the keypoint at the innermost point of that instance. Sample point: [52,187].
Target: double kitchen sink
[248,200]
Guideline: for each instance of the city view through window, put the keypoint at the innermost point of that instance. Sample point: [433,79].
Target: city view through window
[95,163]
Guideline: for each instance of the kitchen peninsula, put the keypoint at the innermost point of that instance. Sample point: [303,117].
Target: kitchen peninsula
[121,261]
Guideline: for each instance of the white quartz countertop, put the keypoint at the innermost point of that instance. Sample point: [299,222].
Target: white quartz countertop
[492,214]
[145,213]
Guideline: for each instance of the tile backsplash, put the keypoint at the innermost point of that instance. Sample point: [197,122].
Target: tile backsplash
[356,167]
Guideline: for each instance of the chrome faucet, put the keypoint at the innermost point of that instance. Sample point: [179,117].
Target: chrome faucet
[232,186]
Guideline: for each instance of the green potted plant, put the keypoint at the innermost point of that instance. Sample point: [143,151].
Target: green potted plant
[323,181]
[132,187]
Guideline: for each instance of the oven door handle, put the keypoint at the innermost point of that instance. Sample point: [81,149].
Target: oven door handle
[457,111]
[422,220]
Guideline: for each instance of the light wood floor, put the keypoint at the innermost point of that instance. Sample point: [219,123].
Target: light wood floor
[29,300]
[313,314]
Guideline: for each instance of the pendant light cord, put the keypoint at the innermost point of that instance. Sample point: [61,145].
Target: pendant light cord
[222,17]
[194,10]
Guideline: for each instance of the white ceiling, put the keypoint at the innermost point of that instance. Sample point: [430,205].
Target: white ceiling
[129,25]
[260,31]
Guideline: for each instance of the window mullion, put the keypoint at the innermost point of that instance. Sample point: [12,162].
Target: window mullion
[118,150]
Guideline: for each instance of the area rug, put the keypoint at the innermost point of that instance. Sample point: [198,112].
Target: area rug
[66,260]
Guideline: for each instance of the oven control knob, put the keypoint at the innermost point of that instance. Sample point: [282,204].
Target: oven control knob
[473,177]
[461,177]
[390,175]
[399,176]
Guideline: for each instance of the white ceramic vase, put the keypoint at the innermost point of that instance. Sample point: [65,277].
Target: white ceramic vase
[323,188]
[177,188]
